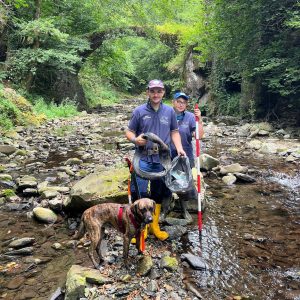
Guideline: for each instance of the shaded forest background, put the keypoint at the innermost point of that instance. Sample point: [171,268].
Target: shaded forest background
[236,57]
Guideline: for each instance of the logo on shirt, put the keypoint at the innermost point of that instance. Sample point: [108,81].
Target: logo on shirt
[184,124]
[146,117]
[164,120]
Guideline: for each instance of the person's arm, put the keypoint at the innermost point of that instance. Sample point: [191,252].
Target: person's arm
[176,139]
[139,141]
[201,131]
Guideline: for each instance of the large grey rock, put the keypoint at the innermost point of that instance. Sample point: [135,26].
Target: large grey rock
[109,185]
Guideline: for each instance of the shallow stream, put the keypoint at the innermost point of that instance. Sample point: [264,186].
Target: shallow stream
[250,239]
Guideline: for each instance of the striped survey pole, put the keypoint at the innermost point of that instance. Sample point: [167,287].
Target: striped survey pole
[198,171]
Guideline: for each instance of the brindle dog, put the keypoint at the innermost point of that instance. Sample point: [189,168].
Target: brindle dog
[130,221]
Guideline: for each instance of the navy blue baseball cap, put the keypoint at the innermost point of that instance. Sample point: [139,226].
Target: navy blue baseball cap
[181,95]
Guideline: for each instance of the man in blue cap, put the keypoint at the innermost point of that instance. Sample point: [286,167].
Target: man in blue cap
[160,119]
[187,126]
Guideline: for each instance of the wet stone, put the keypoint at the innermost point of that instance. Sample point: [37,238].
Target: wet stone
[144,265]
[22,242]
[169,263]
[7,149]
[244,177]
[194,261]
[229,179]
[15,283]
[44,215]
[175,231]
[29,191]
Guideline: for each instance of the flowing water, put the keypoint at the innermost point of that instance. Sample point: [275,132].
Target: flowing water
[250,239]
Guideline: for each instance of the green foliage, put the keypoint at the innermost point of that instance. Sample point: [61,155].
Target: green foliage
[8,193]
[51,110]
[252,41]
[9,113]
[149,59]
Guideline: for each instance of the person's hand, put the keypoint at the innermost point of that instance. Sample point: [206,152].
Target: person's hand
[181,152]
[197,113]
[140,141]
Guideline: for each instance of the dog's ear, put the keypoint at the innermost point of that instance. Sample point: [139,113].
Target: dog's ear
[154,204]
[134,208]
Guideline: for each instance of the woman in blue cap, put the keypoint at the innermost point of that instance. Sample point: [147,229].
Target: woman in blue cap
[187,126]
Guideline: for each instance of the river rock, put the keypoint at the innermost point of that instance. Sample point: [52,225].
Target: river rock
[175,231]
[268,148]
[74,161]
[102,186]
[229,179]
[57,246]
[21,242]
[194,261]
[208,162]
[15,283]
[253,133]
[244,177]
[233,168]
[144,265]
[44,215]
[30,192]
[169,263]
[55,204]
[291,158]
[21,251]
[49,194]
[77,278]
[7,149]
[263,133]
[254,144]
[5,177]
[176,221]
[26,182]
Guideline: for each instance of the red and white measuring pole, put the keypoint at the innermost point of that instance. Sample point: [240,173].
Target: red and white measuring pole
[198,171]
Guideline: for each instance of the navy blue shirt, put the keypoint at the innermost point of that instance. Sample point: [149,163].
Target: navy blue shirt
[187,125]
[161,122]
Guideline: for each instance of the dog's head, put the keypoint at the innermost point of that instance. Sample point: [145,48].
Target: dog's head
[143,210]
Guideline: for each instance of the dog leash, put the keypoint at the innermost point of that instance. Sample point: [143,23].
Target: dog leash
[133,176]
[134,223]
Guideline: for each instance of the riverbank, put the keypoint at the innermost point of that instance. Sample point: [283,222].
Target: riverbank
[250,236]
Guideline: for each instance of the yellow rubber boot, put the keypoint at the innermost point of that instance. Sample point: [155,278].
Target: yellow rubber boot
[133,240]
[154,226]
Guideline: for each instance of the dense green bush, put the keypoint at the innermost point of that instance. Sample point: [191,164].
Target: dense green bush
[52,110]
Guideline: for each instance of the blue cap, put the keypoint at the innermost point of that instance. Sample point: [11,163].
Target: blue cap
[181,95]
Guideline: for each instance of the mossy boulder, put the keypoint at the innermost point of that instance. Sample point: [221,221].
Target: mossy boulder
[108,185]
[78,278]
[20,108]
